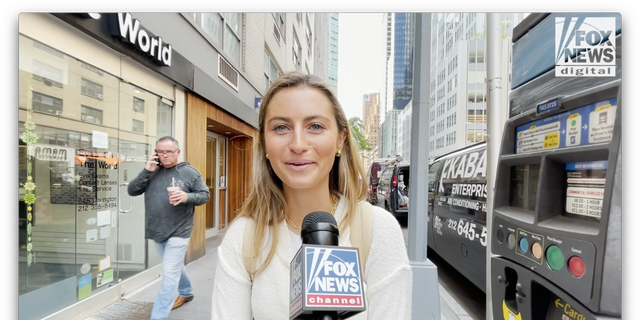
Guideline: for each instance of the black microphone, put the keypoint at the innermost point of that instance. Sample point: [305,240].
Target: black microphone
[325,279]
[320,228]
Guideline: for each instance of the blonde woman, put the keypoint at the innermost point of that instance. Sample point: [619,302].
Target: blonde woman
[305,160]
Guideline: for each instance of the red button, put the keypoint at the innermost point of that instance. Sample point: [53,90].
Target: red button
[576,266]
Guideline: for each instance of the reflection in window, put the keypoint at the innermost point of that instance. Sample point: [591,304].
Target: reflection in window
[224,28]
[523,186]
[164,119]
[67,190]
[92,68]
[138,105]
[45,103]
[88,114]
[271,72]
[138,126]
[91,89]
[51,76]
[212,25]
[232,45]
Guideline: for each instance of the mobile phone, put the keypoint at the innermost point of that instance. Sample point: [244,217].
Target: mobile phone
[158,160]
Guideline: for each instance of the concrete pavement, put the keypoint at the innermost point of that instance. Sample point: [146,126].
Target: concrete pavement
[137,305]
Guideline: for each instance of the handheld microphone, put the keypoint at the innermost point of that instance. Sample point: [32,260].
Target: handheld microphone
[325,279]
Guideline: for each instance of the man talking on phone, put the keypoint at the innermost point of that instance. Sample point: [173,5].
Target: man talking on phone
[171,190]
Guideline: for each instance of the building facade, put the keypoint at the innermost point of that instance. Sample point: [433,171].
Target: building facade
[458,113]
[325,54]
[95,92]
[386,95]
[404,132]
[403,42]
[389,130]
[321,43]
[334,31]
[371,118]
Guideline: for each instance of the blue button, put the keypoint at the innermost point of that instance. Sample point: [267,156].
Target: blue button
[524,245]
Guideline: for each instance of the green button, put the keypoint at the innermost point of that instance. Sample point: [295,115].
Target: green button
[555,257]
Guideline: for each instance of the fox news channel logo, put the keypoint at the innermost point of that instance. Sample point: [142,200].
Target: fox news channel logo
[588,40]
[333,278]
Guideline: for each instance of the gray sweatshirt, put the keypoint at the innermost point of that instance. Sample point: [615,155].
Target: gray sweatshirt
[162,219]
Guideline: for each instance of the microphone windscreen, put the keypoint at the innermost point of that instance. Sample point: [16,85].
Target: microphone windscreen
[318,217]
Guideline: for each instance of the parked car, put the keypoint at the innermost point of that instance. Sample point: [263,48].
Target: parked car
[373,176]
[393,188]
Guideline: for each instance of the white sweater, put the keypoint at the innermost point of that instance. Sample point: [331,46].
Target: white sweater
[387,276]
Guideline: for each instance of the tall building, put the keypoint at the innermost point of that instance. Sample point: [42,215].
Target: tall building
[389,130]
[334,30]
[95,92]
[371,118]
[403,42]
[458,112]
[386,96]
[398,65]
[404,132]
[321,45]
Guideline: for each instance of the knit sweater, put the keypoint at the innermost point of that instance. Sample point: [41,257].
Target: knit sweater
[387,275]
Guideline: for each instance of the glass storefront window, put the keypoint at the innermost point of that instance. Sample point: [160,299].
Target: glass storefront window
[82,139]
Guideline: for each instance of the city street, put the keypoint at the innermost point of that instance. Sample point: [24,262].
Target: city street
[463,297]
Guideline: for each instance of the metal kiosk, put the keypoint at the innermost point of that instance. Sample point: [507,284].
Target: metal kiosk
[556,232]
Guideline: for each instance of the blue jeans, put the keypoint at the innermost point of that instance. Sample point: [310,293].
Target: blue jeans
[174,276]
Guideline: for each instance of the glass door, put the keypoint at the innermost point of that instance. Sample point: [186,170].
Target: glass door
[210,180]
[222,182]
[216,181]
[143,118]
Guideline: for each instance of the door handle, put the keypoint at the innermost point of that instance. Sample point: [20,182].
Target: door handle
[125,184]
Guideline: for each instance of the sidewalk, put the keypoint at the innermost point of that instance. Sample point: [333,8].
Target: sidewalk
[202,272]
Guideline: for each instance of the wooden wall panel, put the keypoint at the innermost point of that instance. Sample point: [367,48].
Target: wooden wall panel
[195,154]
[240,151]
[199,113]
[210,208]
[221,197]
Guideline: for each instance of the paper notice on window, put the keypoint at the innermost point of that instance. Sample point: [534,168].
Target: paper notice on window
[104,217]
[100,139]
[92,235]
[105,232]
[104,277]
[104,263]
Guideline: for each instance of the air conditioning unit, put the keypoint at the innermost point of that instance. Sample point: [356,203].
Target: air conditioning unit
[83,117]
[100,96]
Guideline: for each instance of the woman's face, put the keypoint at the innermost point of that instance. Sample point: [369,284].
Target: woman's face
[301,137]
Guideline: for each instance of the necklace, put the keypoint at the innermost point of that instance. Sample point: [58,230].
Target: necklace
[333,211]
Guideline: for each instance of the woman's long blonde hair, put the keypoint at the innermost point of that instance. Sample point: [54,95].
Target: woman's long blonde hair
[265,203]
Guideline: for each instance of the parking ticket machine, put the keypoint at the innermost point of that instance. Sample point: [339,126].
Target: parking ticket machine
[556,232]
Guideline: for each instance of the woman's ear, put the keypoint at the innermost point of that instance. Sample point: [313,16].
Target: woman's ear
[342,137]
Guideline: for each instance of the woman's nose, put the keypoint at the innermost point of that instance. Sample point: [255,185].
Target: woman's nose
[299,142]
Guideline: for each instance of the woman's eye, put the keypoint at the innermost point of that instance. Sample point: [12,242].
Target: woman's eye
[316,126]
[280,127]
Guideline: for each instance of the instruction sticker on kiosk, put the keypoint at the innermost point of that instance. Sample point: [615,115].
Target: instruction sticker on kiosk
[585,187]
[582,126]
